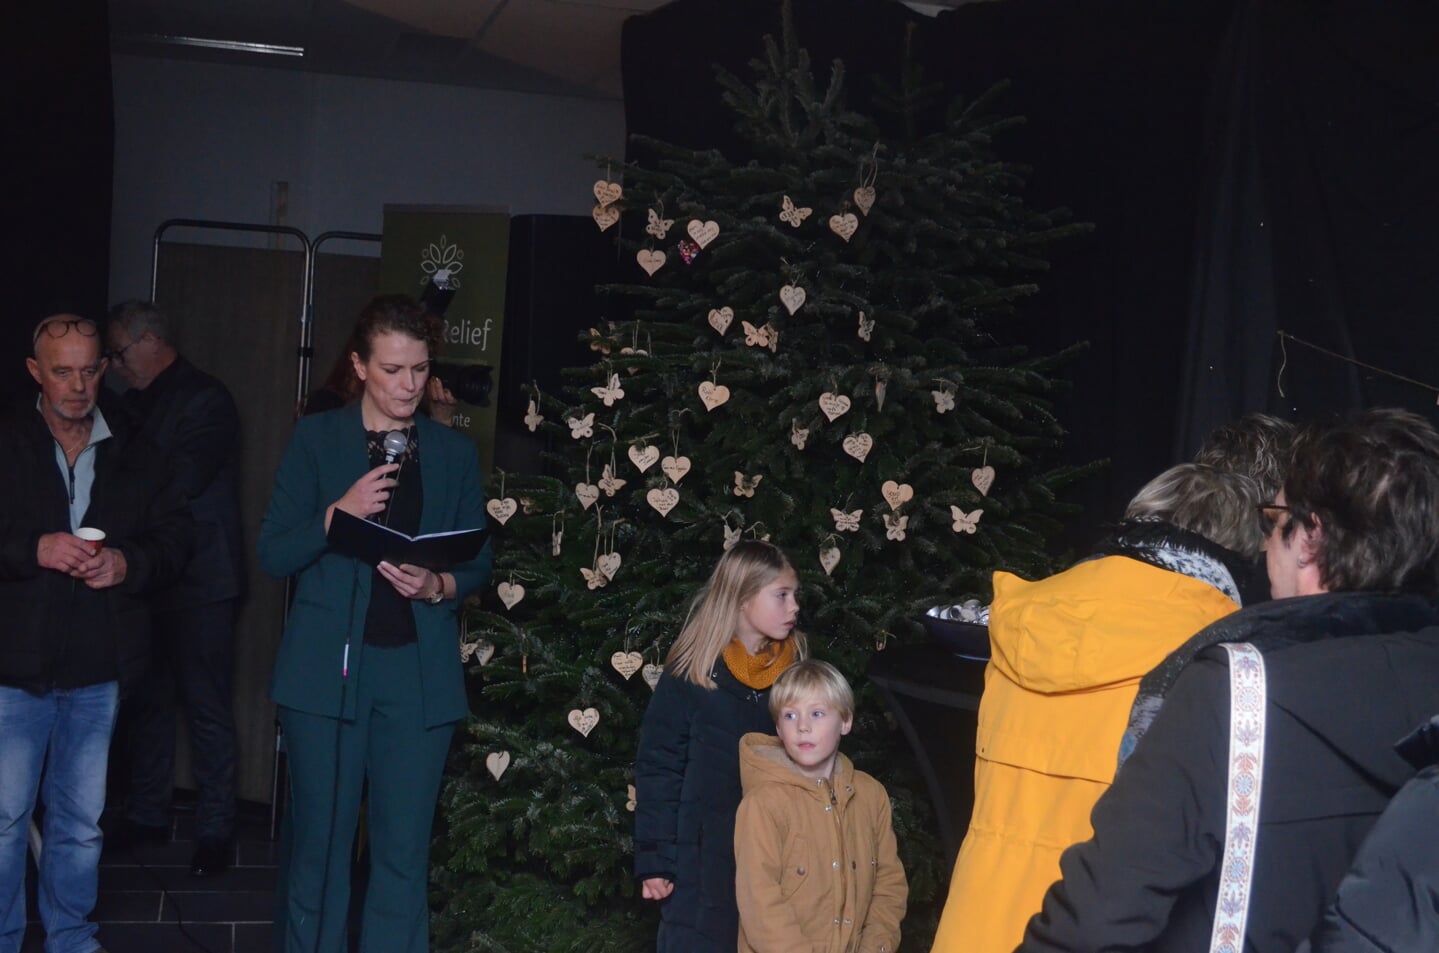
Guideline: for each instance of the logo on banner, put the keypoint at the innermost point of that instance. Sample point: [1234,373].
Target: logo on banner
[442,264]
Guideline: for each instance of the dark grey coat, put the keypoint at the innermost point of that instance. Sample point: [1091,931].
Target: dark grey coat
[687,792]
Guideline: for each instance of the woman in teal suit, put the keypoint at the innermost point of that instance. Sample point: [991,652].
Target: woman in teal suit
[368,678]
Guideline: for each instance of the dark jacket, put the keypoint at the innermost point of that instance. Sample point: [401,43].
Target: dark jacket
[143,515]
[687,790]
[192,417]
[1389,900]
[326,455]
[1346,674]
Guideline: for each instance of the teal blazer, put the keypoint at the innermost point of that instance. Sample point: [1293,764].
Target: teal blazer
[326,455]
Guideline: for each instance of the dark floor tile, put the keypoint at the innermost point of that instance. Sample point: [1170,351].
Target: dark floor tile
[265,853]
[167,938]
[231,906]
[127,877]
[254,938]
[127,906]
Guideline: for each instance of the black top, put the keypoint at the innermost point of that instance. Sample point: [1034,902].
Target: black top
[389,620]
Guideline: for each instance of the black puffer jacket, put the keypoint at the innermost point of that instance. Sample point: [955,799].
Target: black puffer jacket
[1389,900]
[687,789]
[58,631]
[1346,674]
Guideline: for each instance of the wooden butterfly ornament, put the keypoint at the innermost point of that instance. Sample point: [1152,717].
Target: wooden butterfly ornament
[764,336]
[846,522]
[746,485]
[594,578]
[611,392]
[791,215]
[965,522]
[581,426]
[658,227]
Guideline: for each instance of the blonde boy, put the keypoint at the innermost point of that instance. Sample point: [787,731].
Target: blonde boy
[815,859]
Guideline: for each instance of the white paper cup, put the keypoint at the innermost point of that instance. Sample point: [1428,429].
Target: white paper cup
[95,537]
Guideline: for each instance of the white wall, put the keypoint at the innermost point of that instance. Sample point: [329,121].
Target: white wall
[202,140]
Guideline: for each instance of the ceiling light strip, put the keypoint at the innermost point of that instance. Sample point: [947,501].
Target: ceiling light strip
[232,46]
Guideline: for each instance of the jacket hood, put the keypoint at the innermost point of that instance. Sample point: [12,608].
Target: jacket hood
[763,760]
[1105,621]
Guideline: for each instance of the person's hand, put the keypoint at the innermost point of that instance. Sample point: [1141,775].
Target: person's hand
[105,569]
[442,402]
[656,888]
[369,494]
[62,552]
[412,582]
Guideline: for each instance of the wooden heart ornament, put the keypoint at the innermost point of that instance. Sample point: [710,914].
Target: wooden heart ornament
[896,494]
[858,445]
[481,650]
[651,674]
[627,663]
[584,721]
[644,459]
[702,232]
[864,198]
[609,564]
[663,500]
[607,193]
[510,593]
[713,395]
[675,467]
[983,479]
[502,510]
[792,297]
[828,559]
[844,225]
[605,215]
[834,406]
[497,762]
[721,318]
[587,493]
[651,260]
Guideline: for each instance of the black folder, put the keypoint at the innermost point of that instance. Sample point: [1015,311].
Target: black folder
[372,543]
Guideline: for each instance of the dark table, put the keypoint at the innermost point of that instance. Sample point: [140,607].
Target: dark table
[934,695]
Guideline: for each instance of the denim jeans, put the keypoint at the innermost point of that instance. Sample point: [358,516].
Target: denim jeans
[74,727]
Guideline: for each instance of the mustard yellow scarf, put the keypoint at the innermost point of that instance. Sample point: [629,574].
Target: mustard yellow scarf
[758,671]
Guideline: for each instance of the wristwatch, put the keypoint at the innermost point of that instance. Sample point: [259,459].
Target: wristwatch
[438,596]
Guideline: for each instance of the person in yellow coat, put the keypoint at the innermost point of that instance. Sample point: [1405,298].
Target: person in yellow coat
[1067,654]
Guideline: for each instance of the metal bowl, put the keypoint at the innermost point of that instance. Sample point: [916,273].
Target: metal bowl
[966,639]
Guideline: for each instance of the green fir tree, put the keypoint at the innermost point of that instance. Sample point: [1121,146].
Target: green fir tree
[860,424]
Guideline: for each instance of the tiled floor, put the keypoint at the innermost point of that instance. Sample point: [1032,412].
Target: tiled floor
[149,903]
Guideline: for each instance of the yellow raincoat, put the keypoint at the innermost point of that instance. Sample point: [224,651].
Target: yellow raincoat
[1067,656]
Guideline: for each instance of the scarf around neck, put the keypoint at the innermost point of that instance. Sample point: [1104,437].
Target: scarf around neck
[760,670]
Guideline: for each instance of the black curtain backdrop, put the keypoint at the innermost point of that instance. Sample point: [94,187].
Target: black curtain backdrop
[1247,167]
[59,133]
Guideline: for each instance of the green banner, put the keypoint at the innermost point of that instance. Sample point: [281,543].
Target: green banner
[464,251]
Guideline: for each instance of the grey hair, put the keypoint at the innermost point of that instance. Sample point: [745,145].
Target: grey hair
[137,318]
[1219,505]
[1256,445]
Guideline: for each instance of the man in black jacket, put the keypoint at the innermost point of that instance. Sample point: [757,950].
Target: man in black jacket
[76,626]
[192,417]
[1350,647]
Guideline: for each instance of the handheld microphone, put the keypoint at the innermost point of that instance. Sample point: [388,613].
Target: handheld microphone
[395,445]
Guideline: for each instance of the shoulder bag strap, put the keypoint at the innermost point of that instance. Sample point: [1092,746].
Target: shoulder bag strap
[1246,773]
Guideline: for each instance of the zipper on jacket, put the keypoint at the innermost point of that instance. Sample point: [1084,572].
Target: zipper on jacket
[70,469]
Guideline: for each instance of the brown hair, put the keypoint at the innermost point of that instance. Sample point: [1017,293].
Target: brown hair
[1371,486]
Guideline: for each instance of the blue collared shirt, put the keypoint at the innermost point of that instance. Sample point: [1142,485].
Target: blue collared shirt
[80,479]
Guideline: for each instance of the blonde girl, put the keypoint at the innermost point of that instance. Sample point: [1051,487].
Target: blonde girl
[738,637]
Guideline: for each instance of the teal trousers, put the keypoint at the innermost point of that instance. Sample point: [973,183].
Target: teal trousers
[330,760]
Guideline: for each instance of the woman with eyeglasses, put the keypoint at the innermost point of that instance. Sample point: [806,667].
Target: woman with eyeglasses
[1350,649]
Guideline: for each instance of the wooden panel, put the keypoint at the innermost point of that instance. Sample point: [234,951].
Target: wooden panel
[238,312]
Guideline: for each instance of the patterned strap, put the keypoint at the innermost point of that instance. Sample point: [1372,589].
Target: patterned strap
[1246,772]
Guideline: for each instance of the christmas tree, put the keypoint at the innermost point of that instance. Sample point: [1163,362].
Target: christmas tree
[812,355]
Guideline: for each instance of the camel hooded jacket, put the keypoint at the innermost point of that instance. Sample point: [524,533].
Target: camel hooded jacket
[817,870]
[1068,653]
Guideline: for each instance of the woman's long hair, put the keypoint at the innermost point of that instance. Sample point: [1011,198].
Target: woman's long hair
[713,616]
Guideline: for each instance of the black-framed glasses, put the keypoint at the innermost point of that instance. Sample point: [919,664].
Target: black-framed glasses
[1269,512]
[118,355]
[58,328]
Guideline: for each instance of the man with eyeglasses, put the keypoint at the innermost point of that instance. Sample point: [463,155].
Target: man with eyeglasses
[192,417]
[76,624]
